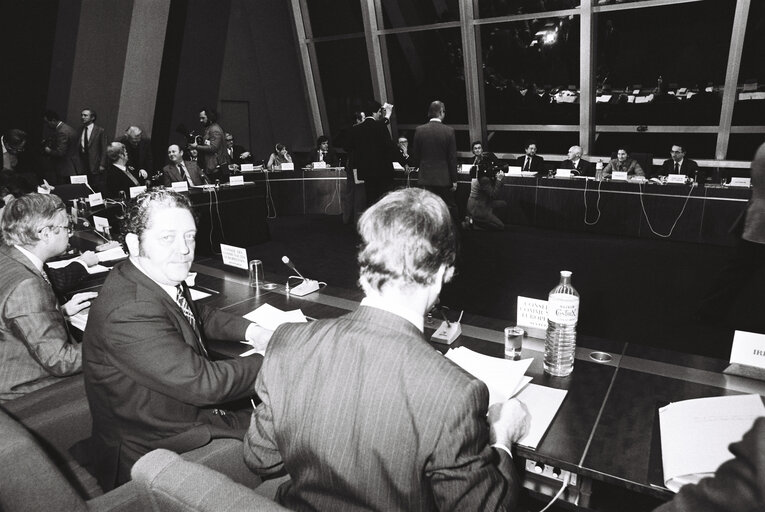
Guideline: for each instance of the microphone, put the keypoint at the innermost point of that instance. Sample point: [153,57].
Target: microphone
[291,265]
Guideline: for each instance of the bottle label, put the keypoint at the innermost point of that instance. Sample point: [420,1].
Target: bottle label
[563,308]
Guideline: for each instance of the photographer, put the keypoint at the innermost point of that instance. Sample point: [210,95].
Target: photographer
[212,148]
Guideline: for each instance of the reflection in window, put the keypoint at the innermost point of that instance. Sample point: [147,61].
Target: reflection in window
[663,65]
[750,97]
[491,8]
[335,17]
[742,146]
[556,143]
[427,66]
[346,83]
[409,13]
[531,71]
[697,145]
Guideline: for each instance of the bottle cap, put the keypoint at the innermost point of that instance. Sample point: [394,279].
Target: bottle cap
[565,273]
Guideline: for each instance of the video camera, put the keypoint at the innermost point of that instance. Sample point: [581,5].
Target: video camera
[192,136]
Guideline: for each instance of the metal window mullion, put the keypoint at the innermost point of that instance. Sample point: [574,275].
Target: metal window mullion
[309,66]
[472,64]
[369,14]
[587,44]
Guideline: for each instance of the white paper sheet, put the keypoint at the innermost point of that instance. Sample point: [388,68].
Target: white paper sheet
[270,317]
[80,320]
[197,294]
[502,376]
[95,269]
[115,253]
[543,404]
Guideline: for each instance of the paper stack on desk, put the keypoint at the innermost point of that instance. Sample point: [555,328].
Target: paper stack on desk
[115,253]
[695,435]
[95,269]
[270,317]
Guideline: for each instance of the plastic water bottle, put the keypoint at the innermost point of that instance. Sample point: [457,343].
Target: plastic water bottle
[562,315]
[599,170]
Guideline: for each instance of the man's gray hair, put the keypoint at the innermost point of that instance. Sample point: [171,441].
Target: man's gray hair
[24,217]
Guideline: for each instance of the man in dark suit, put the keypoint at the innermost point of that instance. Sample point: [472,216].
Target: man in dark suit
[435,153]
[738,484]
[402,152]
[212,149]
[148,377]
[180,170]
[678,164]
[62,148]
[323,153]
[119,176]
[237,155]
[483,159]
[372,149]
[361,411]
[37,349]
[531,162]
[139,158]
[92,145]
[575,162]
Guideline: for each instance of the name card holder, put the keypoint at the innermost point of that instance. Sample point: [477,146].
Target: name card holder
[563,173]
[289,166]
[514,171]
[465,168]
[248,167]
[95,199]
[531,314]
[180,186]
[136,191]
[319,165]
[234,256]
[397,166]
[740,182]
[619,176]
[100,223]
[81,179]
[676,178]
[747,355]
[235,181]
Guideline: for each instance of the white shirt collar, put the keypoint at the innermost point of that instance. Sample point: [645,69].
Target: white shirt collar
[680,163]
[172,291]
[37,262]
[380,302]
[2,143]
[435,119]
[120,166]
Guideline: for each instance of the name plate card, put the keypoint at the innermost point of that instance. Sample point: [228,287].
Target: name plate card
[397,166]
[563,173]
[514,170]
[740,182]
[137,191]
[676,178]
[82,179]
[234,256]
[95,199]
[531,314]
[319,165]
[748,349]
[236,180]
[43,190]
[180,186]
[289,166]
[101,223]
[465,168]
[247,167]
[619,175]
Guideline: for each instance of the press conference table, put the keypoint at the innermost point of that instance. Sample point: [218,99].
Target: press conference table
[604,430]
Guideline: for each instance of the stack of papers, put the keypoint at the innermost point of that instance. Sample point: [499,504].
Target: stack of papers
[270,317]
[95,269]
[115,253]
[695,435]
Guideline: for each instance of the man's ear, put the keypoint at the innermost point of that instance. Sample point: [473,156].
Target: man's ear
[131,240]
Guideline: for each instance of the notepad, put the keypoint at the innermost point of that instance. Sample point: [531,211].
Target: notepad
[695,435]
[270,317]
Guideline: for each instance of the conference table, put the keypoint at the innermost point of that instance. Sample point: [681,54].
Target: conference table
[604,432]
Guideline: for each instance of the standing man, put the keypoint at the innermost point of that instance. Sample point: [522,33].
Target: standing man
[678,164]
[372,149]
[149,379]
[531,162]
[212,150]
[62,148]
[139,158]
[576,163]
[180,170]
[92,144]
[361,411]
[435,153]
[36,349]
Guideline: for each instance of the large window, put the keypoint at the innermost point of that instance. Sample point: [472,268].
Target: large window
[334,17]
[408,13]
[492,8]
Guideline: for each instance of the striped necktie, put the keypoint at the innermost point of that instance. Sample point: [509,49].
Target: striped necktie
[180,299]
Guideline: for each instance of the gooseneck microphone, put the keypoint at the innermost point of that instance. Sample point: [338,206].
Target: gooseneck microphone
[291,265]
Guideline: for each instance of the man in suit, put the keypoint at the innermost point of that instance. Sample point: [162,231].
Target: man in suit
[323,153]
[402,154]
[435,153]
[738,484]
[531,162]
[61,148]
[149,380]
[483,159]
[237,155]
[361,411]
[92,145]
[372,148]
[180,170]
[119,176]
[139,157]
[212,150]
[678,164]
[36,349]
[576,163]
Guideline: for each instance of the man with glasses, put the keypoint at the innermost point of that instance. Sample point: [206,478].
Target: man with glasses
[36,348]
[678,164]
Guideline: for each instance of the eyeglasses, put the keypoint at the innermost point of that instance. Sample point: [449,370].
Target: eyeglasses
[69,227]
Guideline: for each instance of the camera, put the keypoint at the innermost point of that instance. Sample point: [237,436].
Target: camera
[192,136]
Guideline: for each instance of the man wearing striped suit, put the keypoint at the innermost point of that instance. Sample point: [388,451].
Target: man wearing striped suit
[361,411]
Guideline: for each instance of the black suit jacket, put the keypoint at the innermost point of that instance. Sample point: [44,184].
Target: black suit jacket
[372,147]
[64,151]
[583,167]
[139,157]
[434,152]
[689,167]
[147,383]
[117,180]
[364,414]
[170,173]
[537,163]
[94,158]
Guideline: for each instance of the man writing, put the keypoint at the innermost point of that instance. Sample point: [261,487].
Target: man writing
[361,411]
[36,349]
[148,377]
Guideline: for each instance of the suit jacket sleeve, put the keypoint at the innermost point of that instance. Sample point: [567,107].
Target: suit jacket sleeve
[33,313]
[102,144]
[465,473]
[453,157]
[216,141]
[62,144]
[738,484]
[149,347]
[261,453]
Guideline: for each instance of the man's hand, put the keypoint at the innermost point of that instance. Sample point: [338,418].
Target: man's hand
[79,302]
[89,258]
[508,422]
[244,155]
[193,145]
[143,174]
[258,336]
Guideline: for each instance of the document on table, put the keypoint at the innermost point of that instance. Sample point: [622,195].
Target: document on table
[695,435]
[95,269]
[115,253]
[543,404]
[503,377]
[270,317]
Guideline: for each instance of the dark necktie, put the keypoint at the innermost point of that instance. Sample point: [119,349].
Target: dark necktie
[677,168]
[180,299]
[527,164]
[182,169]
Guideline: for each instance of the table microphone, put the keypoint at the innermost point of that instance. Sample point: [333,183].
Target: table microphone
[291,265]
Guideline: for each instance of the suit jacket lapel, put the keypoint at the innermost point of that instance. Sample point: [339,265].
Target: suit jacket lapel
[17,255]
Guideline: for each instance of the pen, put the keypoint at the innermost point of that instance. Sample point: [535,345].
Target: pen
[205,289]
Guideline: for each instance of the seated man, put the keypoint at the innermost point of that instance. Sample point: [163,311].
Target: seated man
[36,348]
[402,155]
[483,160]
[531,162]
[119,176]
[323,153]
[678,164]
[180,170]
[361,411]
[148,377]
[577,165]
